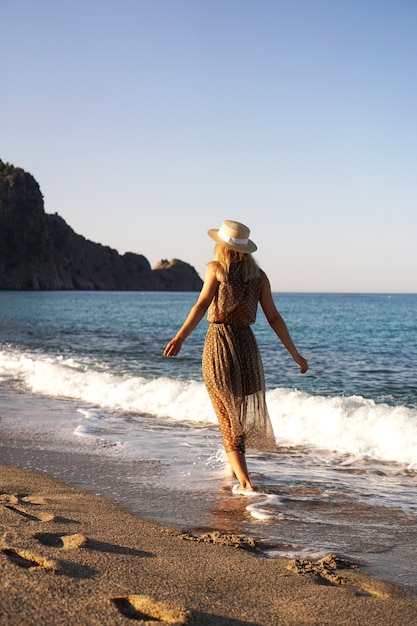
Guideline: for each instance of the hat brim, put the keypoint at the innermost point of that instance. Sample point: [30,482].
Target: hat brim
[238,247]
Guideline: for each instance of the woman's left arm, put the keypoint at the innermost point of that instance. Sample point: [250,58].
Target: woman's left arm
[276,322]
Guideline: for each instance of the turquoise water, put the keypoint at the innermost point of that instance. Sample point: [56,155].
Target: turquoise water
[85,372]
[357,344]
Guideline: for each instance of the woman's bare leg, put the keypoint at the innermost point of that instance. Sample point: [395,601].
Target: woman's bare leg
[238,462]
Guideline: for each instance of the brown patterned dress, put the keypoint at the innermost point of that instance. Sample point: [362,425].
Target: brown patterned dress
[232,367]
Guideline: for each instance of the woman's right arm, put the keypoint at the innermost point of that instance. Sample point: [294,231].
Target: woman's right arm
[197,312]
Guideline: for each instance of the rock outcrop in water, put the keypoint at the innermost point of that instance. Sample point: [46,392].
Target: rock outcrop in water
[40,251]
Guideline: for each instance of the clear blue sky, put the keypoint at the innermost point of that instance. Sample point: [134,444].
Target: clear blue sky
[146,122]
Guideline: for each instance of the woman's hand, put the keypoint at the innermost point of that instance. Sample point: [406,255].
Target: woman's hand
[173,347]
[302,363]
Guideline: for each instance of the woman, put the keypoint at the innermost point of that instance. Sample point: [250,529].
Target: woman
[232,366]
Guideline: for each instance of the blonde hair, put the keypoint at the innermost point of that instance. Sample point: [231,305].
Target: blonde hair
[225,257]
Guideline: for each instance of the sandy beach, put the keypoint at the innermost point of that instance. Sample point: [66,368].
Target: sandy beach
[69,557]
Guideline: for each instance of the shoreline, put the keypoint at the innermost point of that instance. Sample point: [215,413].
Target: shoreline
[68,556]
[138,485]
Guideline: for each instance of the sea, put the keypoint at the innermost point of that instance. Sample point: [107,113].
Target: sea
[87,396]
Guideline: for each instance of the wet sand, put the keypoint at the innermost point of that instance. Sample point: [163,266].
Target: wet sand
[70,557]
[382,539]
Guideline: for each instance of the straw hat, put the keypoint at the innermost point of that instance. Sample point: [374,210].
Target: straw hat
[233,235]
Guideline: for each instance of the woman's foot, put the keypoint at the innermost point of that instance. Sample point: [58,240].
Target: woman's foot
[247,490]
[238,462]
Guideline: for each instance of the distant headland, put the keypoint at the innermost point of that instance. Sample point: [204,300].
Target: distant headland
[39,251]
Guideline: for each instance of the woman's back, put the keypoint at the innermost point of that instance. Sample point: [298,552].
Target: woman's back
[236,300]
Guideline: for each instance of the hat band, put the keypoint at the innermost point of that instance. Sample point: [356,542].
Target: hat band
[227,239]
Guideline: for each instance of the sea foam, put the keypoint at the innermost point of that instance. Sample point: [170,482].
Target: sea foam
[354,426]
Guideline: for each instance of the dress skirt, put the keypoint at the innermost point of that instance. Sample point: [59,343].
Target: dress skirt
[234,378]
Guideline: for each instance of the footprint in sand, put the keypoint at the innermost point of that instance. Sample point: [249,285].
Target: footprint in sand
[36,517]
[12,498]
[30,560]
[27,506]
[77,540]
[24,558]
[145,608]
[14,502]
[9,498]
[37,500]
[55,540]
[19,504]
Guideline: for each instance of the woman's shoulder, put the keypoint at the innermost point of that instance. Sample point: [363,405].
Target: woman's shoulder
[212,268]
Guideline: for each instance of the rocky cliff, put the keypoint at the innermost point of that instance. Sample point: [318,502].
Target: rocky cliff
[40,251]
